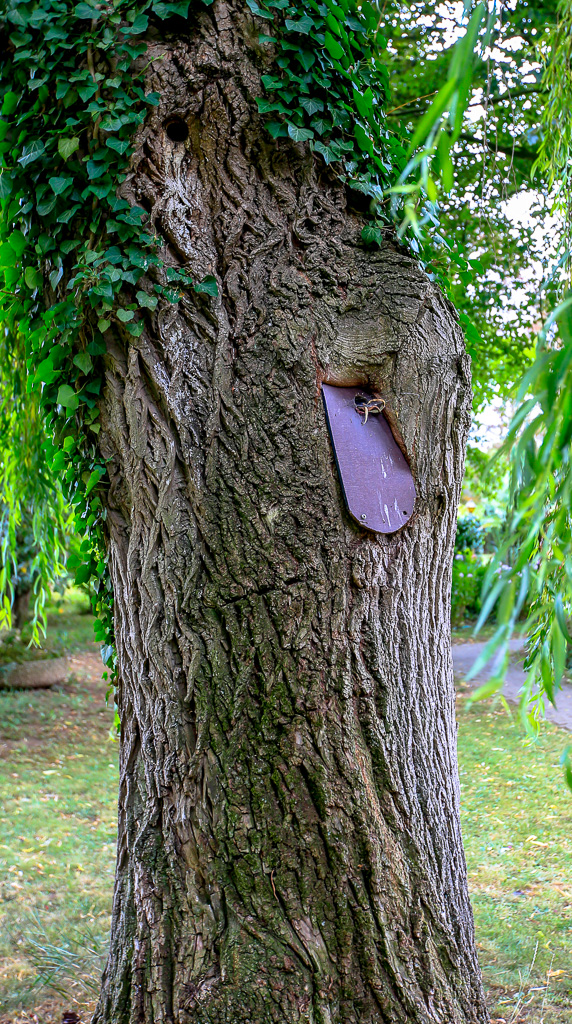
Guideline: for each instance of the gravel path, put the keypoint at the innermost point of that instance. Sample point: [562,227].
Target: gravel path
[465,655]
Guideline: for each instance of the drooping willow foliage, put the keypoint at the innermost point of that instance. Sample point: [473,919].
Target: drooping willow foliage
[530,579]
[35,521]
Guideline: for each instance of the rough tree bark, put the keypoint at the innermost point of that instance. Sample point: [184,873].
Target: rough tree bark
[289,841]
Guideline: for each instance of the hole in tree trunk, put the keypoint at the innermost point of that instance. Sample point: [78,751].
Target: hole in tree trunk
[177,130]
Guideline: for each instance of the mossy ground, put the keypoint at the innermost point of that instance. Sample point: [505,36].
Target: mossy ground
[58,784]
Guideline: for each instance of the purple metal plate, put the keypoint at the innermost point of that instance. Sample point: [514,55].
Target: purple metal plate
[376,480]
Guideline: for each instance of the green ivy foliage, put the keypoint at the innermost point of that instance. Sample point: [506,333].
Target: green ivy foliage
[331,89]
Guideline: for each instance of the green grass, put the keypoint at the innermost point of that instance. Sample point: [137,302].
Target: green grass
[517,827]
[58,792]
[58,807]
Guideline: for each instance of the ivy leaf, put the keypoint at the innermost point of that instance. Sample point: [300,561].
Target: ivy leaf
[271,81]
[333,47]
[266,106]
[111,124]
[163,10]
[68,146]
[68,398]
[135,329]
[277,129]
[101,191]
[5,184]
[113,254]
[311,104]
[125,315]
[303,25]
[84,572]
[59,185]
[87,91]
[306,58]
[260,13]
[46,371]
[31,151]
[140,24]
[103,325]
[46,206]
[364,102]
[372,235]
[150,301]
[363,140]
[9,103]
[7,255]
[18,241]
[334,24]
[86,12]
[108,651]
[84,361]
[94,479]
[328,153]
[321,126]
[33,278]
[56,276]
[208,285]
[94,169]
[300,134]
[119,145]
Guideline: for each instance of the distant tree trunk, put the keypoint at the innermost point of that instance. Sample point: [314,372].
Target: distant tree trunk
[20,608]
[289,840]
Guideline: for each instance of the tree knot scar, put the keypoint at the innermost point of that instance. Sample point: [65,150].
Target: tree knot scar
[365,406]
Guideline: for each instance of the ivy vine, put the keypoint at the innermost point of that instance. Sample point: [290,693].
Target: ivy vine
[331,89]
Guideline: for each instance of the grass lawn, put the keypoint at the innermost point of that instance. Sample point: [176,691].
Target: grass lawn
[517,827]
[58,805]
[58,780]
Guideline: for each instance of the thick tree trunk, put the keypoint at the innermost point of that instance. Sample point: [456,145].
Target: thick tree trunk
[289,841]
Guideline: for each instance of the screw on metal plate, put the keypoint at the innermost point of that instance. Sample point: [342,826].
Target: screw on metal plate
[365,405]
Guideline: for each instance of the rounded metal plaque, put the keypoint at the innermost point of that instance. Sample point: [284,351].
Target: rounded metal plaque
[375,477]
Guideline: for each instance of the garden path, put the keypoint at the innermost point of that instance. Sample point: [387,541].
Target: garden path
[465,655]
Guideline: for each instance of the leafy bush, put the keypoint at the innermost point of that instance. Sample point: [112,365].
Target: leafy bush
[470,534]
[468,573]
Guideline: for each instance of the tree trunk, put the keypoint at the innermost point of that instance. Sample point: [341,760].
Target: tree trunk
[289,840]
[20,608]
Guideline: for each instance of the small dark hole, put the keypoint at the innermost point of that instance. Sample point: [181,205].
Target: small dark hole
[177,130]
